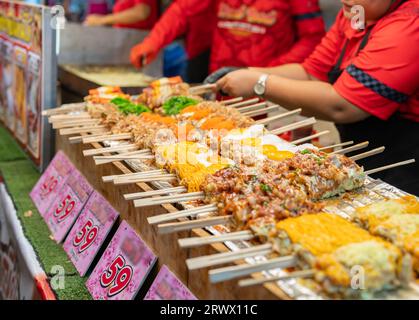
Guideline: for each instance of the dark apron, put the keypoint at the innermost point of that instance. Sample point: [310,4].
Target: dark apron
[400,136]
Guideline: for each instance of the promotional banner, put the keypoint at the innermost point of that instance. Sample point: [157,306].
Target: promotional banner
[167,286]
[65,208]
[51,182]
[28,85]
[89,232]
[123,267]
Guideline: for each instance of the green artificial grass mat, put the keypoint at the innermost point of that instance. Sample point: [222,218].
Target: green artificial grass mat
[9,148]
[20,176]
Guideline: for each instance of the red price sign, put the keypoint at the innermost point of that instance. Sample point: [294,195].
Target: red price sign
[123,268]
[117,277]
[64,208]
[86,236]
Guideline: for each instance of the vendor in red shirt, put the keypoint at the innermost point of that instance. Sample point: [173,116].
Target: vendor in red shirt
[240,32]
[134,14]
[365,80]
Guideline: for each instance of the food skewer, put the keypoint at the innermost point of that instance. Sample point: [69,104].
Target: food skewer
[252,108]
[232,272]
[69,117]
[202,88]
[390,166]
[75,124]
[261,111]
[193,224]
[226,257]
[309,138]
[169,199]
[244,103]
[343,144]
[151,178]
[109,137]
[356,147]
[64,109]
[130,175]
[231,101]
[292,275]
[368,154]
[124,147]
[294,126]
[182,214]
[140,195]
[200,241]
[279,116]
[92,129]
[140,155]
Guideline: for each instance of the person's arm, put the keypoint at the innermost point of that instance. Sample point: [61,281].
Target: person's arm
[310,29]
[137,13]
[170,26]
[316,98]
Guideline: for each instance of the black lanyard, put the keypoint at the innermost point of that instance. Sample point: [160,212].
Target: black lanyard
[337,70]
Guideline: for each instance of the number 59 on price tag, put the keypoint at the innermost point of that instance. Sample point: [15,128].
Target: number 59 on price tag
[67,206]
[89,231]
[123,267]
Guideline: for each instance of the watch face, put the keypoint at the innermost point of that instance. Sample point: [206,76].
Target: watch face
[259,89]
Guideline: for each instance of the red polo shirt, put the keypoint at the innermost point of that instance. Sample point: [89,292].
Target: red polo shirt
[122,5]
[383,78]
[243,32]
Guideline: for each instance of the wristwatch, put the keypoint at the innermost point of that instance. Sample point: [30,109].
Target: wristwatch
[260,86]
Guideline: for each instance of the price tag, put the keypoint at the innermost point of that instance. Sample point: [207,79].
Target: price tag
[68,205]
[89,231]
[123,267]
[49,185]
[167,286]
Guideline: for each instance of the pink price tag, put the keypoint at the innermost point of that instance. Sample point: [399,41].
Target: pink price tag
[89,231]
[47,188]
[167,286]
[123,267]
[68,205]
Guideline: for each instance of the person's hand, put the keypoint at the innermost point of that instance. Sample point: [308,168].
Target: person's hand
[142,54]
[239,83]
[217,75]
[95,20]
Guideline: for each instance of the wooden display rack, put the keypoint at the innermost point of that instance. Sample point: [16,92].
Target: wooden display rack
[164,245]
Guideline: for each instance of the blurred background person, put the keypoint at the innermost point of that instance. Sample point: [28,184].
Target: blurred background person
[238,33]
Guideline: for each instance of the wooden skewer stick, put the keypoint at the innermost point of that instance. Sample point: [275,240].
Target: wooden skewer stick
[390,166]
[202,88]
[309,138]
[294,126]
[75,124]
[356,147]
[64,109]
[201,241]
[79,139]
[117,157]
[368,154]
[343,144]
[252,107]
[189,225]
[146,194]
[169,199]
[69,117]
[226,257]
[182,214]
[134,174]
[93,129]
[231,101]
[279,116]
[124,147]
[232,272]
[291,275]
[261,111]
[244,103]
[151,178]
[112,137]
